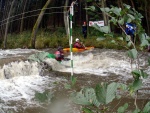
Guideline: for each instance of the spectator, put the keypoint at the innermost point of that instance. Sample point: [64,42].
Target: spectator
[130,30]
[84,30]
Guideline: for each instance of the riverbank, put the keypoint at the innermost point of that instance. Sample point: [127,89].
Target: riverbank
[53,39]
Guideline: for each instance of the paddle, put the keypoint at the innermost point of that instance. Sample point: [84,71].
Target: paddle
[83,45]
[66,59]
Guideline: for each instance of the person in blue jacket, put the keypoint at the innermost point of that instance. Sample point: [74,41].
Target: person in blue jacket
[130,30]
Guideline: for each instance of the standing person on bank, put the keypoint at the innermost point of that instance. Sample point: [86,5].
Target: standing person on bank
[84,30]
[130,30]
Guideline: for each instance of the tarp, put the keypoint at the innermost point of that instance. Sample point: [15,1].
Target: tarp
[39,57]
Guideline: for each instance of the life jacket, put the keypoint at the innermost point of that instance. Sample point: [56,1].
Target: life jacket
[59,55]
[77,45]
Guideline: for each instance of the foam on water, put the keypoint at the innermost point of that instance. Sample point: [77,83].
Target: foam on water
[14,52]
[22,89]
[101,65]
[22,68]
[24,77]
[24,81]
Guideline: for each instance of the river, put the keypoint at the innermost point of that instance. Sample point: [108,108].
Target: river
[21,79]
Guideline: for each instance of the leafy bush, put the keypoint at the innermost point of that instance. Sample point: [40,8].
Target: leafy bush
[49,39]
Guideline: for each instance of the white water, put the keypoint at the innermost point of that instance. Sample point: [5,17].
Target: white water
[101,64]
[24,77]
[20,80]
[14,52]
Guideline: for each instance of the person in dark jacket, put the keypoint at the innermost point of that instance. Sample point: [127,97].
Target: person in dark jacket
[78,44]
[59,54]
[84,30]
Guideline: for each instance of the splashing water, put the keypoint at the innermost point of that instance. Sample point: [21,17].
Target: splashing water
[101,64]
[21,79]
[19,83]
[22,68]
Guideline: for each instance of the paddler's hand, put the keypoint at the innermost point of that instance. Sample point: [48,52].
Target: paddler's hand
[83,45]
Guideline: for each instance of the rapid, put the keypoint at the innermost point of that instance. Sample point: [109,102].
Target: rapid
[20,79]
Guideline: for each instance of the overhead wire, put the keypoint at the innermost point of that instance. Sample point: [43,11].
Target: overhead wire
[31,16]
[33,11]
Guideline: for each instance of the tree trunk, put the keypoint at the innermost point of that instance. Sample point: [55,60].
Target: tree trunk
[87,18]
[66,21]
[22,18]
[3,19]
[120,3]
[80,12]
[7,24]
[148,20]
[132,4]
[38,21]
[104,15]
[146,15]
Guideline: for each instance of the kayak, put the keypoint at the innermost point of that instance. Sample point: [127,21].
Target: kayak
[50,56]
[77,50]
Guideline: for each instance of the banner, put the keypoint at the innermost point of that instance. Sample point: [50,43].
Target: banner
[99,23]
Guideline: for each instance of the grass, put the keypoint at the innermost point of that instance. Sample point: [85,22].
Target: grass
[53,38]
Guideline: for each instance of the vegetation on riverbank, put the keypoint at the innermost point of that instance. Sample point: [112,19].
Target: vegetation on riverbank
[52,38]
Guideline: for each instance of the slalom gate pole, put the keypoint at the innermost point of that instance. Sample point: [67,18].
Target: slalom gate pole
[71,53]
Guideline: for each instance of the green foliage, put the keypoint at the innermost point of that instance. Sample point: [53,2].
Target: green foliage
[49,39]
[136,85]
[120,16]
[9,112]
[67,86]
[45,96]
[147,108]
[86,110]
[104,29]
[92,8]
[136,111]
[149,60]
[106,93]
[132,53]
[122,109]
[143,40]
[73,81]
[18,41]
[139,73]
[86,96]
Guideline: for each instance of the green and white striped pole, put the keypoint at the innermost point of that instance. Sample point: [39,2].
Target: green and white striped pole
[71,53]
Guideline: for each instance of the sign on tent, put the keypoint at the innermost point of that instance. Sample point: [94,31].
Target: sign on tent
[99,23]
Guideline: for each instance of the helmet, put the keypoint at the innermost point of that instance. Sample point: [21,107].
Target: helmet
[127,26]
[77,39]
[59,48]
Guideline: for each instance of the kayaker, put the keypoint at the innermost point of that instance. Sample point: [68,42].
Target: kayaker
[78,44]
[59,54]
